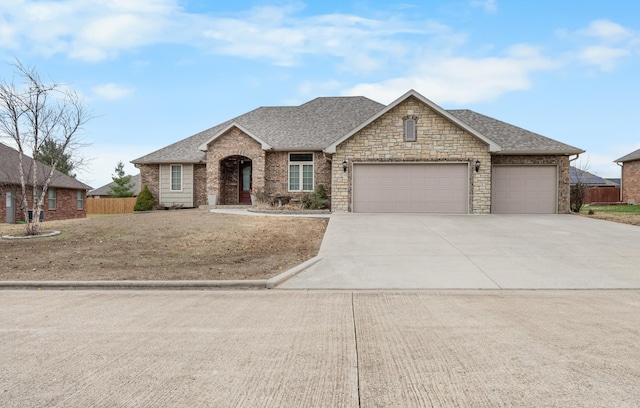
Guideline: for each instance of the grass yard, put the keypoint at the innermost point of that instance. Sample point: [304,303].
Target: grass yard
[162,245]
[627,214]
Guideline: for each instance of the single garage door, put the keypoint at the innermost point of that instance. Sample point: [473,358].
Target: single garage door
[413,188]
[524,190]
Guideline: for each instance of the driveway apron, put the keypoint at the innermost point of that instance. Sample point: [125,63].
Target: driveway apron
[411,251]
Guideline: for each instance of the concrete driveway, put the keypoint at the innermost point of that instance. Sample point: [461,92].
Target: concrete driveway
[406,251]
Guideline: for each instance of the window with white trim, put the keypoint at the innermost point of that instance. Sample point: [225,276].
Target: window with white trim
[176,177]
[80,200]
[51,193]
[300,171]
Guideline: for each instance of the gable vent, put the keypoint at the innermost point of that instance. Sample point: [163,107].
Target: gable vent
[410,128]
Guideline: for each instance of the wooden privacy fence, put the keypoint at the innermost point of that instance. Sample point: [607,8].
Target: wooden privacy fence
[110,205]
[602,195]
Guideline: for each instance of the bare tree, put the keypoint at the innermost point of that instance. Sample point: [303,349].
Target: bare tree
[35,114]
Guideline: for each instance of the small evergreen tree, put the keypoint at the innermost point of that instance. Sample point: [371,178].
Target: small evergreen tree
[123,186]
[145,201]
[50,152]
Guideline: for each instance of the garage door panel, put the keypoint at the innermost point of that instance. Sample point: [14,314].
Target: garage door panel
[524,190]
[421,188]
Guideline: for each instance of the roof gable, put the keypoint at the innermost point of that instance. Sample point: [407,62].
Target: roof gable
[493,146]
[205,145]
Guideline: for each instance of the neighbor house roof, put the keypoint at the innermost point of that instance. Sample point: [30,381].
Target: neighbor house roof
[323,123]
[630,157]
[578,175]
[10,171]
[512,139]
[104,190]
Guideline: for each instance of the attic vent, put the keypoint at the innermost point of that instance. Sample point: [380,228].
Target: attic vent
[410,128]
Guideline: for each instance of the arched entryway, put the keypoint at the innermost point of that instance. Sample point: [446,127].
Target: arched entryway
[236,179]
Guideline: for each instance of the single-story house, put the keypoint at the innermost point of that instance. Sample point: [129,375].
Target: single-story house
[103,192]
[66,196]
[630,177]
[408,156]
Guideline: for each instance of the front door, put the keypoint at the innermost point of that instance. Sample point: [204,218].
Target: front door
[11,208]
[245,182]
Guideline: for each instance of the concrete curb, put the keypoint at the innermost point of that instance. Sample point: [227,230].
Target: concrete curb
[276,280]
[136,285]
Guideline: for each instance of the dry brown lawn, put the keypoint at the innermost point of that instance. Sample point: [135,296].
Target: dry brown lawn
[163,245]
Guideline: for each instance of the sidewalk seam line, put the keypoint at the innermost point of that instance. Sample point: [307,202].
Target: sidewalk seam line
[355,340]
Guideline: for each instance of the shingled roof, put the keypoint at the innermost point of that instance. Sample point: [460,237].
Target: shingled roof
[322,122]
[10,171]
[512,139]
[630,157]
[104,190]
[311,126]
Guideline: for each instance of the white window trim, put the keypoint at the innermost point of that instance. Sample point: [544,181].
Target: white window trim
[301,171]
[171,166]
[80,200]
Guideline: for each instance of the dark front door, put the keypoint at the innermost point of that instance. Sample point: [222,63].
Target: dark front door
[245,182]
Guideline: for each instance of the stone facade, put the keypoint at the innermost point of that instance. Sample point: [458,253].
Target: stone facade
[438,140]
[562,162]
[631,181]
[66,204]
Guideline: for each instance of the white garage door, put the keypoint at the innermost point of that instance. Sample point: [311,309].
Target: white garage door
[524,190]
[413,188]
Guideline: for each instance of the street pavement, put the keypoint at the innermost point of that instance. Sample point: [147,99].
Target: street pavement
[299,348]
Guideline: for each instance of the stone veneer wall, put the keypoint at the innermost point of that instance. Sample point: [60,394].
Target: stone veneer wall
[564,183]
[234,143]
[150,176]
[438,140]
[631,181]
[277,173]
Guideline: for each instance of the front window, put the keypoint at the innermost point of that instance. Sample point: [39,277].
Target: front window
[176,177]
[301,172]
[52,198]
[80,200]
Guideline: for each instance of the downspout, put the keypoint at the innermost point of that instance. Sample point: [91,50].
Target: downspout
[621,180]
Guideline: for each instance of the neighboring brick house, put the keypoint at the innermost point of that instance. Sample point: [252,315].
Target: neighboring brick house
[66,196]
[630,177]
[409,156]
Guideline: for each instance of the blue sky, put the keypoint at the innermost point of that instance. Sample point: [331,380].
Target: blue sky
[157,71]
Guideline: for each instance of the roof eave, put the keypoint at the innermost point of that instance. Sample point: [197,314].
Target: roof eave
[540,152]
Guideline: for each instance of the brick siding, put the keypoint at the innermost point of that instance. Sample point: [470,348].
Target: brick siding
[631,181]
[150,177]
[438,140]
[66,205]
[277,173]
[562,162]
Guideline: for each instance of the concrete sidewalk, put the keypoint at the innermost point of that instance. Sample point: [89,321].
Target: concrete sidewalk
[414,251]
[319,349]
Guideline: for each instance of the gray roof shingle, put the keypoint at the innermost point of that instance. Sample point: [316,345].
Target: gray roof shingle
[104,190]
[10,171]
[630,157]
[511,138]
[323,121]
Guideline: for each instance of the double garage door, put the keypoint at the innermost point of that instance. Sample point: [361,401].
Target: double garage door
[444,188]
[412,188]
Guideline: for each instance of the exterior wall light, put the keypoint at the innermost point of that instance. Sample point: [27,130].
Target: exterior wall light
[477,165]
[344,165]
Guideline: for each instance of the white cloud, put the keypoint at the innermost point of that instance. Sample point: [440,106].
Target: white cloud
[607,30]
[604,44]
[462,80]
[112,91]
[490,6]
[604,57]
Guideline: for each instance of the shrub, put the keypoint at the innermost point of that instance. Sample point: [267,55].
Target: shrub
[317,200]
[145,201]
